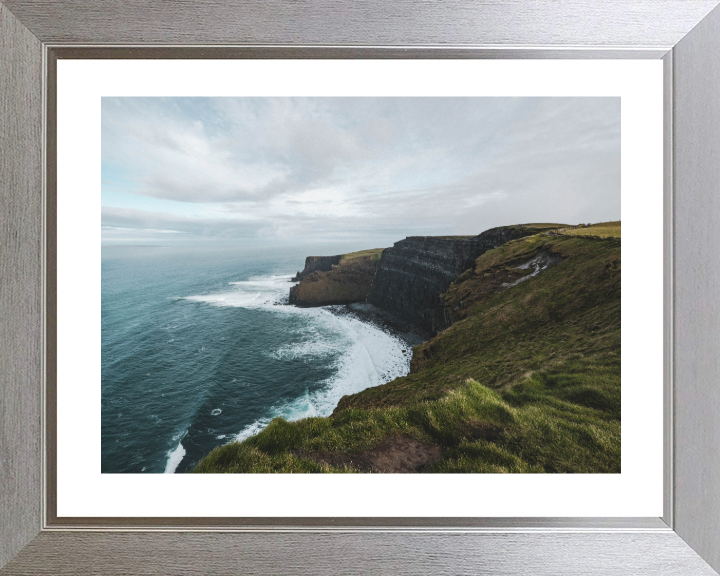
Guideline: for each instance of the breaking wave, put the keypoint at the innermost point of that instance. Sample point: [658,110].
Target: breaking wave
[362,355]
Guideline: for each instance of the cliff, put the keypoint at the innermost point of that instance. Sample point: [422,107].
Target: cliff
[317,264]
[344,282]
[414,273]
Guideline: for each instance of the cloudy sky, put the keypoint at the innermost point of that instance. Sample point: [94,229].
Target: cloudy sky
[289,170]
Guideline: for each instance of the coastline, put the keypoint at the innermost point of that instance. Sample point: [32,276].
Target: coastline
[409,333]
[527,379]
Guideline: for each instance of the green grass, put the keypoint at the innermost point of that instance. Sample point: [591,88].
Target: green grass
[538,363]
[602,230]
[542,429]
[374,253]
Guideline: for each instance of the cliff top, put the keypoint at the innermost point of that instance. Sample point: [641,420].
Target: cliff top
[540,226]
[512,226]
[374,254]
[602,230]
[443,237]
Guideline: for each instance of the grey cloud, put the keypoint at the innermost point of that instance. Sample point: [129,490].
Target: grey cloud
[158,222]
[365,165]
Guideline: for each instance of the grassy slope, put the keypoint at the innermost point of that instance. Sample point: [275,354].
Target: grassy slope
[526,380]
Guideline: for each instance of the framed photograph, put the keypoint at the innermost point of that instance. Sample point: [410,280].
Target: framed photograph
[367,278]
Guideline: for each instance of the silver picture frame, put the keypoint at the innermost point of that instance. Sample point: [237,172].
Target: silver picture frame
[685,34]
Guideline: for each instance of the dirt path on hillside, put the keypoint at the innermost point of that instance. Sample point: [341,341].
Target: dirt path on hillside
[395,455]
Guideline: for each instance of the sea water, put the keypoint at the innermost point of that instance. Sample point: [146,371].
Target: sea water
[200,348]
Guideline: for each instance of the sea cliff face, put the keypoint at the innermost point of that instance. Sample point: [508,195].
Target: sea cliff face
[317,264]
[344,283]
[413,274]
[408,280]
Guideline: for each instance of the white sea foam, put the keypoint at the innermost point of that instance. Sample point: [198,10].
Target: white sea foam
[174,459]
[252,429]
[372,357]
[313,346]
[367,357]
[257,292]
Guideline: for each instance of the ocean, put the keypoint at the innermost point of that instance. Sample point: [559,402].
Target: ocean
[199,348]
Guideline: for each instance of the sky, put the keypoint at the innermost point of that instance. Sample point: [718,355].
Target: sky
[364,170]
